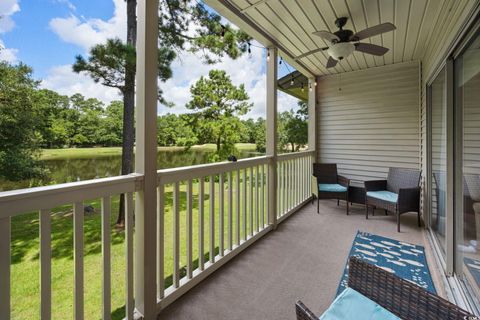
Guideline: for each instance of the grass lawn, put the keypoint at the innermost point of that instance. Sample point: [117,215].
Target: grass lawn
[79,153]
[25,255]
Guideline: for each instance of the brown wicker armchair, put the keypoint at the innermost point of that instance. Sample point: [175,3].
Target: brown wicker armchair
[327,175]
[401,297]
[400,193]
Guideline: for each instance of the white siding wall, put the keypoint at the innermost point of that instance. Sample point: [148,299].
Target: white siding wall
[369,120]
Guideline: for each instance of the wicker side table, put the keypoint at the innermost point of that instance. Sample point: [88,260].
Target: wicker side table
[356,194]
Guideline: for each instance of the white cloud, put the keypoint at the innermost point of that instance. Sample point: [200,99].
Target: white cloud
[63,80]
[8,54]
[7,9]
[86,33]
[68,4]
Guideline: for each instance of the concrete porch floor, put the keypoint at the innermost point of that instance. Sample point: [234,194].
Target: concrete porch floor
[303,259]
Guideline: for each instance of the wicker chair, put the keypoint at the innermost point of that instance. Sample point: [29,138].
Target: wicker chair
[402,188]
[326,174]
[401,297]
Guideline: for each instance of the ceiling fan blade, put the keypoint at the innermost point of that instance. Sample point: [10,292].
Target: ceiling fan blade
[331,62]
[330,37]
[371,49]
[310,52]
[373,31]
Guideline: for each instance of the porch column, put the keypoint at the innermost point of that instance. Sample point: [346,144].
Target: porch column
[146,158]
[271,136]
[312,117]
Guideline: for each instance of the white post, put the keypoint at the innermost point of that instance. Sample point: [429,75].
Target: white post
[146,158]
[271,136]
[312,117]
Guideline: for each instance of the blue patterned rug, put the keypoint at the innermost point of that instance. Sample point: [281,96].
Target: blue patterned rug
[405,260]
[474,268]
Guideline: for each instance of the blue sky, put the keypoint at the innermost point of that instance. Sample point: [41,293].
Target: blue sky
[47,34]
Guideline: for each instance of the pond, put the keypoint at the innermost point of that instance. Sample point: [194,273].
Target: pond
[77,169]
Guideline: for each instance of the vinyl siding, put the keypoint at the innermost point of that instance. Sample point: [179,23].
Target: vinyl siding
[369,120]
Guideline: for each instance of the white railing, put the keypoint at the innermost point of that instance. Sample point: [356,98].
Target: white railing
[184,259]
[227,204]
[293,181]
[43,200]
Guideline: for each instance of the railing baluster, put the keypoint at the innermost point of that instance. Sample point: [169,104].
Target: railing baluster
[222,215]
[212,219]
[297,180]
[238,208]
[250,184]
[129,255]
[262,197]
[160,240]
[284,189]
[278,188]
[78,260]
[189,229]
[230,211]
[257,201]
[201,197]
[5,268]
[176,234]
[245,204]
[45,265]
[106,262]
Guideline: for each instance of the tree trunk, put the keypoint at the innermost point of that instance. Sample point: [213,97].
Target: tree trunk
[218,144]
[128,106]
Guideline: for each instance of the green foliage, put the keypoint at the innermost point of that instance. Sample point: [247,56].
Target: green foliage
[173,130]
[293,128]
[18,112]
[217,104]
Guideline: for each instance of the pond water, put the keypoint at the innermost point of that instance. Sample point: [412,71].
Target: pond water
[69,170]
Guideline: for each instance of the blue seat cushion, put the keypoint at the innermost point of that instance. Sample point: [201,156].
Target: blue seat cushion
[384,195]
[352,305]
[331,187]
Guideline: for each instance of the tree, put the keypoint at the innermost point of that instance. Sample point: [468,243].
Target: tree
[175,130]
[218,104]
[18,138]
[113,63]
[293,127]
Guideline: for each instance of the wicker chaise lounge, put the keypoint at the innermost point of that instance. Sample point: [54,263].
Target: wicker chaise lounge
[330,185]
[402,298]
[400,193]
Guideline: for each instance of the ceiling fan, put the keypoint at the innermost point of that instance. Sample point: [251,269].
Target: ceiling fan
[344,42]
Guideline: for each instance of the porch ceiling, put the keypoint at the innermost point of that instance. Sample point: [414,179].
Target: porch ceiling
[290,24]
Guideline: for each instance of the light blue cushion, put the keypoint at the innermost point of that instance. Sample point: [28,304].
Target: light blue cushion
[384,195]
[351,305]
[333,187]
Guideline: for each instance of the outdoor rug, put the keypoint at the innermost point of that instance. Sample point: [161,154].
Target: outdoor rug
[474,268]
[403,259]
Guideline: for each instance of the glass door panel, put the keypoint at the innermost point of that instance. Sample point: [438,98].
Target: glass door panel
[438,151]
[467,80]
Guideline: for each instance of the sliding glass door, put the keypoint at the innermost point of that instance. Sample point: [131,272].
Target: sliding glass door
[467,213]
[438,143]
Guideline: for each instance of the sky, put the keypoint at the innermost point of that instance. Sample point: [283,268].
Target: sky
[48,34]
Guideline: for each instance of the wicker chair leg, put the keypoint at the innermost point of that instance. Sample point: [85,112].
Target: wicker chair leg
[338,202]
[418,219]
[398,222]
[318,205]
[348,207]
[366,211]
[386,212]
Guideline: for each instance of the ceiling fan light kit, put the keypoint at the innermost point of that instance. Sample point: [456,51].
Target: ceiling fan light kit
[343,42]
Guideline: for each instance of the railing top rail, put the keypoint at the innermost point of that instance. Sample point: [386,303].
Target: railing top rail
[295,155]
[21,201]
[166,176]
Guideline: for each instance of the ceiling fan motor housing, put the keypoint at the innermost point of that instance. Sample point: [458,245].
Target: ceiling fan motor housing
[341,50]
